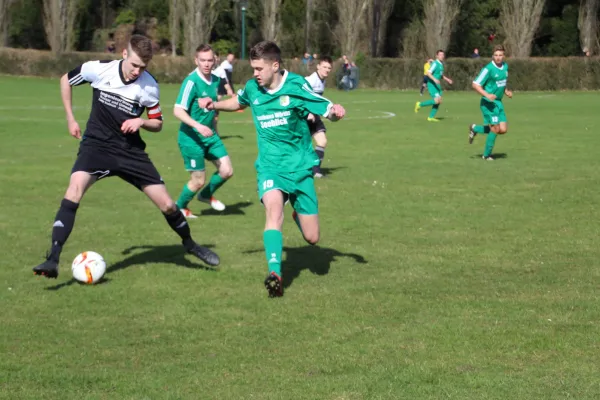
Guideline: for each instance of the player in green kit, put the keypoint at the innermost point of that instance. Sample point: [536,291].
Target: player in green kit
[434,86]
[198,139]
[491,84]
[280,102]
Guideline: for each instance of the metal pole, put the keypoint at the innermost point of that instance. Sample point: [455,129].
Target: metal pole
[243,32]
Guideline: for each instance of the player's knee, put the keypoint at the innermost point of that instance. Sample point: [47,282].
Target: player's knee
[167,206]
[196,183]
[226,171]
[321,141]
[438,100]
[311,237]
[75,192]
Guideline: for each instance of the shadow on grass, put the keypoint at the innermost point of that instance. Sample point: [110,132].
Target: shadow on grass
[495,156]
[233,209]
[225,137]
[315,259]
[168,254]
[330,170]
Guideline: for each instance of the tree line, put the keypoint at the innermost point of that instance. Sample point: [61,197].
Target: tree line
[358,28]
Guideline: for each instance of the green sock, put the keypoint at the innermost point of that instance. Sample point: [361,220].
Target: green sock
[273,241]
[481,129]
[185,197]
[434,110]
[215,183]
[489,144]
[426,103]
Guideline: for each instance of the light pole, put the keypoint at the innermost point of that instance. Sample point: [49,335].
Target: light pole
[243,5]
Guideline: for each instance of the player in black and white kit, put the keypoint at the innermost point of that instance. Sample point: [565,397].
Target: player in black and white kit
[112,146]
[316,126]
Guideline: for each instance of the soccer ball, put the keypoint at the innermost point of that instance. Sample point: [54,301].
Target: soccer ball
[88,267]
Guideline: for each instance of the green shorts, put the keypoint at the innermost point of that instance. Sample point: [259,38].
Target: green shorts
[297,187]
[434,90]
[492,111]
[194,154]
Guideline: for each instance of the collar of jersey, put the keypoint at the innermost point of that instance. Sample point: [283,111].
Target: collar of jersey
[500,68]
[203,78]
[283,78]
[123,78]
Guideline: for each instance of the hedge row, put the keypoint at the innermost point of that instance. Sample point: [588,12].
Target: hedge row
[525,74]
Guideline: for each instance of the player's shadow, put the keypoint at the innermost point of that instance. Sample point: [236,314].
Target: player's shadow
[225,137]
[315,259]
[495,156]
[168,254]
[233,209]
[330,170]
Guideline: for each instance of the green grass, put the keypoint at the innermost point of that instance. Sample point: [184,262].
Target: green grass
[438,275]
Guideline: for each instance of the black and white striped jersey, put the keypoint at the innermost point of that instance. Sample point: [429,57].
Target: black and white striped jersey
[115,100]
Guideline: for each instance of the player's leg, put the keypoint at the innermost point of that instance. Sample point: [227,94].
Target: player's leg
[434,109]
[487,112]
[318,132]
[434,91]
[303,199]
[423,85]
[137,169]
[217,153]
[177,221]
[272,193]
[193,161]
[64,221]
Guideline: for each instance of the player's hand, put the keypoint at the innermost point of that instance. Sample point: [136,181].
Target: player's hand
[311,118]
[206,102]
[337,112]
[204,130]
[491,97]
[508,93]
[437,82]
[450,81]
[132,125]
[74,129]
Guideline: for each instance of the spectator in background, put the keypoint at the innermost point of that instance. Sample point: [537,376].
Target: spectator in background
[306,60]
[586,52]
[353,75]
[227,65]
[475,53]
[111,48]
[346,64]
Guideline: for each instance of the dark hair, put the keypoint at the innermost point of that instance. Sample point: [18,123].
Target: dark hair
[499,47]
[142,46]
[326,59]
[439,51]
[203,48]
[267,51]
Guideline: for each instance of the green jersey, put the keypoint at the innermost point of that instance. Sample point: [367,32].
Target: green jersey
[194,87]
[284,141]
[437,69]
[493,79]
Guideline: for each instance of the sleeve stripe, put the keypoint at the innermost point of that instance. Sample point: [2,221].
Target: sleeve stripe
[432,68]
[76,80]
[481,77]
[309,90]
[186,93]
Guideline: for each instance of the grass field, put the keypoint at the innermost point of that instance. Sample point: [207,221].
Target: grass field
[439,275]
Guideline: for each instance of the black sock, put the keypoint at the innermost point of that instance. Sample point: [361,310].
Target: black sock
[63,225]
[179,224]
[321,153]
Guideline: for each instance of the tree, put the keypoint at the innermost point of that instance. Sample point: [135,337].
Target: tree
[308,24]
[439,21]
[520,20]
[200,17]
[174,24]
[59,23]
[271,21]
[350,12]
[378,14]
[588,25]
[4,9]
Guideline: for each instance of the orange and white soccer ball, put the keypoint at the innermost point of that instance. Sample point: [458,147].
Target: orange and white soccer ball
[88,267]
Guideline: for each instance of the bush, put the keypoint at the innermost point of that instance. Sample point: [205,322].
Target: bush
[571,73]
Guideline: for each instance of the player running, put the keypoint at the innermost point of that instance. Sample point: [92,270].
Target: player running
[280,101]
[491,84]
[112,145]
[197,138]
[315,124]
[434,86]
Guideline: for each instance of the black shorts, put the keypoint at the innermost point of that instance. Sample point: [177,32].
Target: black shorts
[316,126]
[131,165]
[221,91]
[230,79]
[425,79]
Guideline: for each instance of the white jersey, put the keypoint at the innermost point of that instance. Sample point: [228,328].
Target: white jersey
[220,73]
[318,84]
[226,65]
